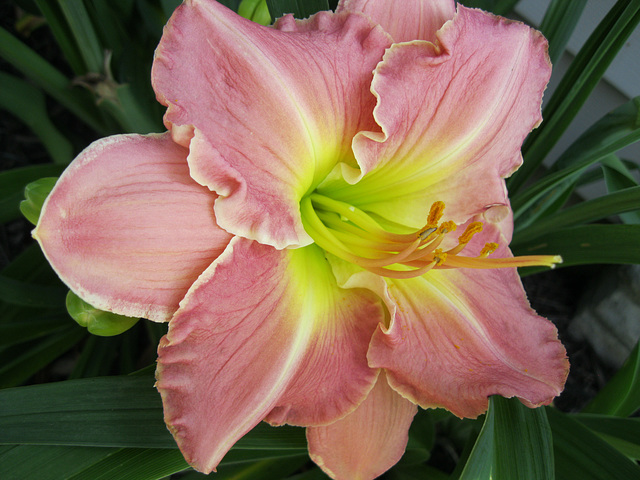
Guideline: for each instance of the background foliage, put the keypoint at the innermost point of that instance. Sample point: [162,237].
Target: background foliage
[79,406]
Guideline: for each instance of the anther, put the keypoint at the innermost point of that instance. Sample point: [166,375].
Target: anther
[447,227]
[470,231]
[439,257]
[488,249]
[435,214]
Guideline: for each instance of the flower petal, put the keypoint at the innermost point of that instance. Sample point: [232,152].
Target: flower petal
[368,442]
[245,341]
[272,109]
[454,118]
[334,376]
[416,20]
[458,336]
[127,229]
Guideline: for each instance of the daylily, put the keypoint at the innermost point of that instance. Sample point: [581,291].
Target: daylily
[295,225]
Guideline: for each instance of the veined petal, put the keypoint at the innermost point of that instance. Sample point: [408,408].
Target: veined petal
[245,340]
[334,376]
[273,109]
[458,336]
[127,229]
[454,117]
[414,20]
[368,442]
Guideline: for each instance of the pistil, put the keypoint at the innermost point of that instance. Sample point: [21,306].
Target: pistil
[352,235]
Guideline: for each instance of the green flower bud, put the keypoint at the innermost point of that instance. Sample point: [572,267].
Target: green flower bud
[255,10]
[98,322]
[35,194]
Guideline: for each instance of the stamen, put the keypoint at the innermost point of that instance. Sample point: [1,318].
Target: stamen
[524,261]
[354,236]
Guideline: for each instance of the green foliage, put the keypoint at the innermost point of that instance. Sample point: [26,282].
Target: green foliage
[515,442]
[299,8]
[92,425]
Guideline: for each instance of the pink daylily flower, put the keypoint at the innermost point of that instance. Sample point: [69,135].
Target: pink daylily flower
[294,225]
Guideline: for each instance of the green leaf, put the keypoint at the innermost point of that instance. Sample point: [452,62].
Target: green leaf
[26,102]
[622,433]
[255,10]
[63,35]
[19,363]
[581,454]
[575,87]
[621,396]
[616,130]
[31,327]
[84,34]
[109,411]
[299,8]
[21,462]
[135,464]
[558,24]
[617,176]
[266,469]
[585,244]
[28,294]
[622,201]
[515,442]
[38,70]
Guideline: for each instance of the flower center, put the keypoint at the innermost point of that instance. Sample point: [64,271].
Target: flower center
[352,235]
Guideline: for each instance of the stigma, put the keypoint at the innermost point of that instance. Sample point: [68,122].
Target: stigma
[354,236]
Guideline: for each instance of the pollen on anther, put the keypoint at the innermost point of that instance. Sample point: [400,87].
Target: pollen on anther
[439,256]
[470,231]
[435,214]
[488,249]
[447,227]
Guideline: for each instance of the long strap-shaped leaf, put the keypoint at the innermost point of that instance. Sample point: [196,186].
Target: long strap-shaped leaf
[515,443]
[110,411]
[581,454]
[43,74]
[616,130]
[625,200]
[584,73]
[585,244]
[558,24]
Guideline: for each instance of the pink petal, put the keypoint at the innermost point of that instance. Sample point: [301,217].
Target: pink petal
[262,329]
[368,442]
[460,335]
[454,118]
[334,376]
[272,109]
[414,20]
[127,229]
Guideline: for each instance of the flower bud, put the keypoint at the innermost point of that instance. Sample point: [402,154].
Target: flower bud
[35,194]
[255,10]
[98,322]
